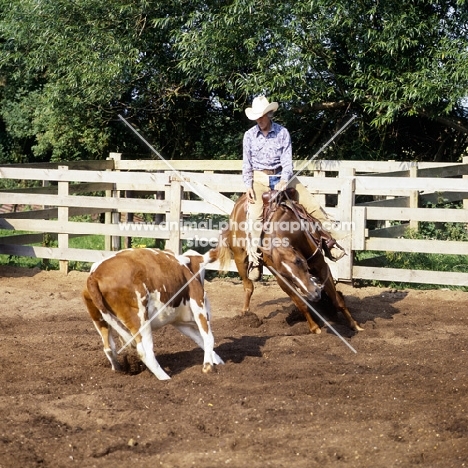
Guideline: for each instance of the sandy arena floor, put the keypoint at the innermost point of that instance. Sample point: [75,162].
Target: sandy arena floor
[285,398]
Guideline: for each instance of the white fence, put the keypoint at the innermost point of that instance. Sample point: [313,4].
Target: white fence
[369,196]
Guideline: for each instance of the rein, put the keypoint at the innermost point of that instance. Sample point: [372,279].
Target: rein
[290,203]
[292,207]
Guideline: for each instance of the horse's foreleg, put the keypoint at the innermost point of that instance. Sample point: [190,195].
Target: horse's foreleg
[248,291]
[300,303]
[338,301]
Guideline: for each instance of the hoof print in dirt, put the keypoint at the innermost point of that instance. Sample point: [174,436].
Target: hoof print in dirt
[294,316]
[249,319]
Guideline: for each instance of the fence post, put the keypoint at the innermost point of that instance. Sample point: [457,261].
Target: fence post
[344,267]
[414,198]
[320,197]
[62,215]
[360,231]
[45,235]
[174,215]
[112,242]
[129,218]
[465,200]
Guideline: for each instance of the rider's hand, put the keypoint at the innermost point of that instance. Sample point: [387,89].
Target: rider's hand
[281,185]
[250,195]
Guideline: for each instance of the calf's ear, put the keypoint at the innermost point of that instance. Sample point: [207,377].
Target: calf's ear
[194,264]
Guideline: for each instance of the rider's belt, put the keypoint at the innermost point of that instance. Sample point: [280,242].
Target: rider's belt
[272,171]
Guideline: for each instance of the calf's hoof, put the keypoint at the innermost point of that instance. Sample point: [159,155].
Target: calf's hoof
[161,375]
[207,368]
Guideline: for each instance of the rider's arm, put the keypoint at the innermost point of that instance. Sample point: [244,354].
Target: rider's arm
[286,155]
[247,170]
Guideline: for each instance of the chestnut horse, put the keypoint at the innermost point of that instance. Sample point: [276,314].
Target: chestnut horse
[292,248]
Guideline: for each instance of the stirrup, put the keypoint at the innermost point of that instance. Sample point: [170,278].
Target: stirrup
[333,250]
[336,253]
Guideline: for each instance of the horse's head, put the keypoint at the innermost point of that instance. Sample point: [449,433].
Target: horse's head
[290,267]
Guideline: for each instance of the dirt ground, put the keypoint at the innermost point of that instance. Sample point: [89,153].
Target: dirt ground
[397,396]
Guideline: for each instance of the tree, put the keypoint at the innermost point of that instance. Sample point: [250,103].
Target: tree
[70,68]
[183,71]
[401,65]
[63,62]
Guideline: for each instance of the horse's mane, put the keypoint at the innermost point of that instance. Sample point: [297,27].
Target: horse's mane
[288,200]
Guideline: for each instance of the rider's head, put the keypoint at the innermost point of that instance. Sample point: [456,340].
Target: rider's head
[262,111]
[261,108]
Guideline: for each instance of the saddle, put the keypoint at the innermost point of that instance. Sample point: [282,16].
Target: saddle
[289,198]
[274,198]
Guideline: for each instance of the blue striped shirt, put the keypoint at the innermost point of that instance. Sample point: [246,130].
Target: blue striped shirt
[266,152]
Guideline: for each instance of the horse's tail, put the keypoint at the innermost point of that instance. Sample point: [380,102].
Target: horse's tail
[224,252]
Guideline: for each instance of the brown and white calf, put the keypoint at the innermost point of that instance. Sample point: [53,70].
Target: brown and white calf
[138,290]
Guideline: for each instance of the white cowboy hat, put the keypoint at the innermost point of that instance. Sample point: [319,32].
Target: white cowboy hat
[260,107]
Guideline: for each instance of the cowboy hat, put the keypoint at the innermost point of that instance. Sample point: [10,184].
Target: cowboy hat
[260,107]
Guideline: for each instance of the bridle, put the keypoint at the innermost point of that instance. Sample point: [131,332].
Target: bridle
[292,207]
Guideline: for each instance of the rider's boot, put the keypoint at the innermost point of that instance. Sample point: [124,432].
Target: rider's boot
[255,272]
[254,269]
[334,251]
[337,253]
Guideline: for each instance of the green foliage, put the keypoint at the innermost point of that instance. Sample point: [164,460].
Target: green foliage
[143,242]
[183,71]
[91,242]
[71,67]
[26,262]
[439,231]
[395,63]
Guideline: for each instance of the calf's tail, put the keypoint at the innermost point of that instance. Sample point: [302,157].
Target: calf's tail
[94,293]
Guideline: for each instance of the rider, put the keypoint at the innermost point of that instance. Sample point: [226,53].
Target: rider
[267,165]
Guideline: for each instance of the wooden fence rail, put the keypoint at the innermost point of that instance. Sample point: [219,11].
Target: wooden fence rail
[375,201]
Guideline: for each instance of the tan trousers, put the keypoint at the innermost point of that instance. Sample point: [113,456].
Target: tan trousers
[255,210]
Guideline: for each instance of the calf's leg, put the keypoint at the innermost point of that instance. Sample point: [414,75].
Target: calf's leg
[108,342]
[104,331]
[140,330]
[191,330]
[200,316]
[145,350]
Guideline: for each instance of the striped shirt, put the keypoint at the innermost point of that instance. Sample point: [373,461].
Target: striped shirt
[266,152]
